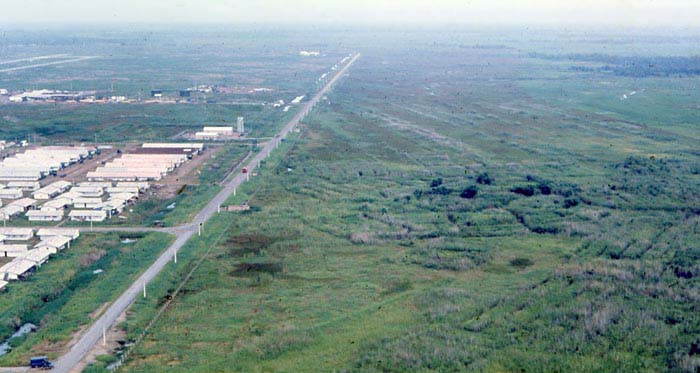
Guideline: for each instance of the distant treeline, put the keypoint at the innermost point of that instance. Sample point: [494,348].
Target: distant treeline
[485,46]
[633,66]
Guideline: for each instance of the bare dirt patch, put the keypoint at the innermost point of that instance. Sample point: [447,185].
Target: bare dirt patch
[187,174]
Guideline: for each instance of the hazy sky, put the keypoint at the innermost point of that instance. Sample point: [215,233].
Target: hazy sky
[545,12]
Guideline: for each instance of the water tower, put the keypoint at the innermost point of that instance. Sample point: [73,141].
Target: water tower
[239,126]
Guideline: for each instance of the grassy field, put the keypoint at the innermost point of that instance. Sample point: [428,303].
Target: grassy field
[490,227]
[63,124]
[65,295]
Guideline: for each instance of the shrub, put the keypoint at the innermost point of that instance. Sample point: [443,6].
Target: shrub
[469,192]
[441,190]
[570,202]
[249,269]
[484,179]
[544,189]
[521,263]
[526,190]
[436,182]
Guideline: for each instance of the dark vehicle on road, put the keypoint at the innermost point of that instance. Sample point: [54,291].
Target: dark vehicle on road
[41,362]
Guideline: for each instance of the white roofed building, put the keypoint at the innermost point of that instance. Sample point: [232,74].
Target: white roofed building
[45,215]
[17,269]
[29,186]
[54,243]
[72,233]
[88,215]
[11,193]
[17,234]
[52,190]
[13,250]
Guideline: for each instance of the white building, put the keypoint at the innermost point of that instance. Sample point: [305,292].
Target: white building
[88,191]
[219,129]
[45,215]
[59,203]
[10,211]
[24,203]
[12,250]
[54,243]
[143,186]
[206,135]
[38,256]
[123,189]
[17,234]
[17,269]
[96,184]
[88,215]
[87,203]
[10,193]
[27,186]
[72,233]
[52,190]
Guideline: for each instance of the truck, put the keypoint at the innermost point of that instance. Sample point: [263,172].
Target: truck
[41,362]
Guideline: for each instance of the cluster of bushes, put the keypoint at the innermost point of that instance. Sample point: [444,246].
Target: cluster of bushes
[601,315]
[654,177]
[437,187]
[450,256]
[538,186]
[634,66]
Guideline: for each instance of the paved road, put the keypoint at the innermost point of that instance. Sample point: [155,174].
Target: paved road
[183,234]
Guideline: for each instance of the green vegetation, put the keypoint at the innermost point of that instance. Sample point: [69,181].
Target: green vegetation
[65,294]
[118,123]
[478,229]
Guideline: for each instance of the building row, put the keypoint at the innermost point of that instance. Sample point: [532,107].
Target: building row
[88,201]
[37,163]
[149,163]
[14,243]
